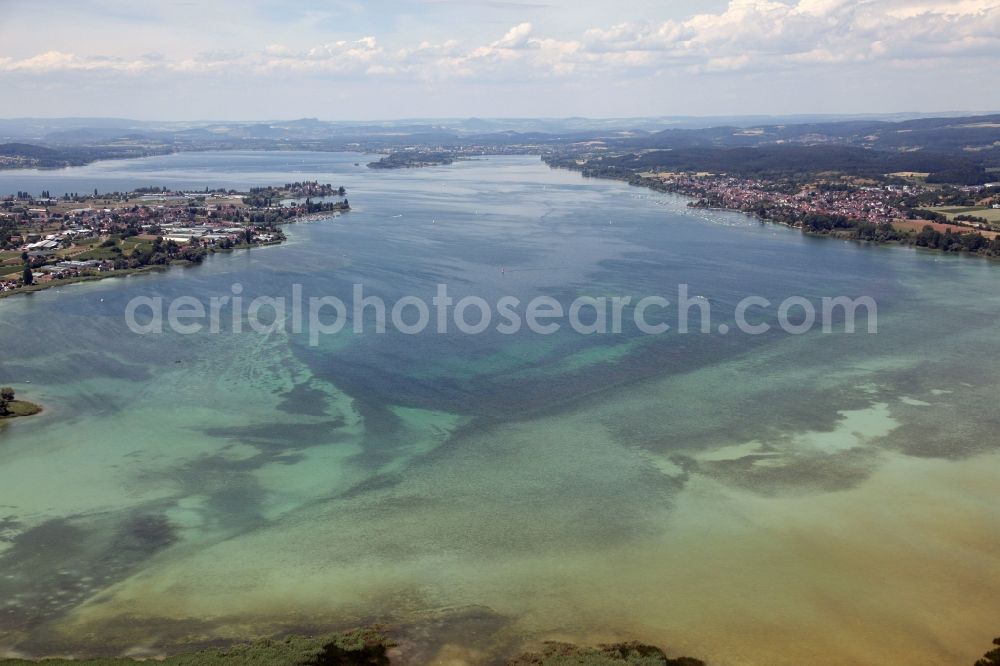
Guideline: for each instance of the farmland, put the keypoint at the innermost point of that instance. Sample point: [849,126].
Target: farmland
[917,225]
[991,215]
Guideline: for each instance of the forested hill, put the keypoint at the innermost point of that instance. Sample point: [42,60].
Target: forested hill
[787,161]
[20,155]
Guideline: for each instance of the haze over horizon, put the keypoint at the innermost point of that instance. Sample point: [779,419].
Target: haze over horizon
[442,59]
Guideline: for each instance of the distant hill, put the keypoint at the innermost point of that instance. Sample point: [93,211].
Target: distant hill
[972,133]
[958,149]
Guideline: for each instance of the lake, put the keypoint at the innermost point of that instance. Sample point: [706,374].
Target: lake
[823,498]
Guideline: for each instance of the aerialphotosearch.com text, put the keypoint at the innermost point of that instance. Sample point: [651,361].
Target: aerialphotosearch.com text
[361,312]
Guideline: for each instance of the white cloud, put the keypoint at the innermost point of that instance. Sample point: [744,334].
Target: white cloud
[51,61]
[770,34]
[516,37]
[747,34]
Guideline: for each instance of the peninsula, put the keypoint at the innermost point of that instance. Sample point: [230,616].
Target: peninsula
[47,241]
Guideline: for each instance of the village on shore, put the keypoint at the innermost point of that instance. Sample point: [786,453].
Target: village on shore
[904,205]
[46,240]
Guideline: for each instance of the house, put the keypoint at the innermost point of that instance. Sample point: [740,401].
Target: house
[42,245]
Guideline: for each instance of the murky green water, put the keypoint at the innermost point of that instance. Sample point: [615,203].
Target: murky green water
[772,499]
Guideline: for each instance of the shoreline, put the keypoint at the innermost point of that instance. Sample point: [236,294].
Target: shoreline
[176,151]
[125,272]
[377,645]
[907,242]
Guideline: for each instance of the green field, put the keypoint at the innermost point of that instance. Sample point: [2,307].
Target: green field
[130,244]
[991,215]
[96,253]
[127,246]
[86,242]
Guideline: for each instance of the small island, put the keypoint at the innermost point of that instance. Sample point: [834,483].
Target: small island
[410,159]
[11,408]
[47,241]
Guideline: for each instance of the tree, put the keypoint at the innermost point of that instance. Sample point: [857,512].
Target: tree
[6,397]
[929,237]
[27,276]
[991,658]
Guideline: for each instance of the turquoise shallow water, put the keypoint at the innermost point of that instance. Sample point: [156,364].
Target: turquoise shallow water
[750,499]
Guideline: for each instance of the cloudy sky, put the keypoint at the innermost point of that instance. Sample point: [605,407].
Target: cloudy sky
[339,59]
